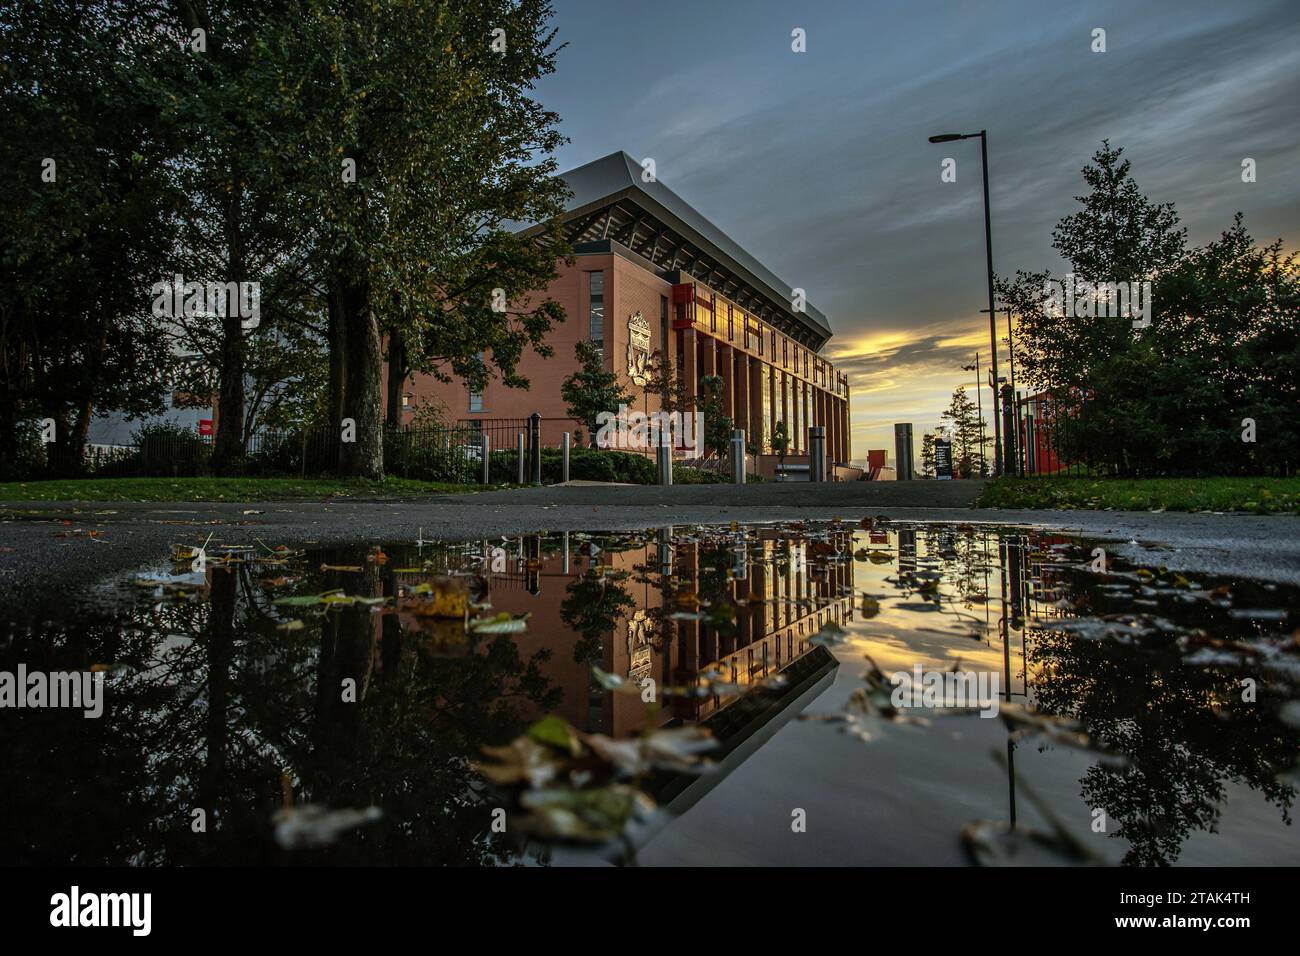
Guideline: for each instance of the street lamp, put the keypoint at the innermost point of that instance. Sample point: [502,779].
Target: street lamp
[979,410]
[988,253]
[1013,439]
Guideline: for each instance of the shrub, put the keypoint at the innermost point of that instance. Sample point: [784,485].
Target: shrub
[166,448]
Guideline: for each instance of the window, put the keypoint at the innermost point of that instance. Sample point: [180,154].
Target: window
[476,398]
[596,310]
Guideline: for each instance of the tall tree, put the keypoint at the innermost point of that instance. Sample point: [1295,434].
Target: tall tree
[591,389]
[87,215]
[411,147]
[927,455]
[965,427]
[239,224]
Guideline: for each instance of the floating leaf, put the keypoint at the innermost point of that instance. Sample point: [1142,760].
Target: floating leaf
[500,624]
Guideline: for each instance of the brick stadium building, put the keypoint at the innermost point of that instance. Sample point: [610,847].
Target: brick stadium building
[653,275]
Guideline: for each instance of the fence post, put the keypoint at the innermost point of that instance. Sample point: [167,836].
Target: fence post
[487,453]
[738,456]
[564,458]
[817,453]
[535,437]
[519,451]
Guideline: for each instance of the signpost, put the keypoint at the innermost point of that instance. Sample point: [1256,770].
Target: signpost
[943,459]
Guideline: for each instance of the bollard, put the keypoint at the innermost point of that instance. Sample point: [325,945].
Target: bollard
[738,456]
[1010,460]
[535,440]
[487,469]
[564,458]
[903,469]
[519,448]
[664,462]
[817,453]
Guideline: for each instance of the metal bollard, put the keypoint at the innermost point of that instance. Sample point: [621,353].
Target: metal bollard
[817,453]
[664,462]
[519,447]
[487,458]
[903,469]
[564,458]
[738,456]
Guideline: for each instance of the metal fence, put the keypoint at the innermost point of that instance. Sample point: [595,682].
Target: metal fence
[432,453]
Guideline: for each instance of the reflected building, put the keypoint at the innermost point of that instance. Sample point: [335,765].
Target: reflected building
[737,608]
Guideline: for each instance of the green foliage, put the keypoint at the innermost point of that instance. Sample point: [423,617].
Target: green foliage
[218,489]
[717,426]
[686,475]
[592,389]
[1171,398]
[1259,495]
[927,455]
[780,441]
[963,428]
[78,251]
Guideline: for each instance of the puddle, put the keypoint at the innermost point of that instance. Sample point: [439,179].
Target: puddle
[722,695]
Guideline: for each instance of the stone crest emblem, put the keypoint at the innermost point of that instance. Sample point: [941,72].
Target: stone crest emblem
[638,349]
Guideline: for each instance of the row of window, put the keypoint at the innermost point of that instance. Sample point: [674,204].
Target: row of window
[804,363]
[760,338]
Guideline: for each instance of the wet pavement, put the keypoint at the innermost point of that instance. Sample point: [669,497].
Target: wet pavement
[530,698]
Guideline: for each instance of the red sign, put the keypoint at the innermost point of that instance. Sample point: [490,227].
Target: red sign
[205,426]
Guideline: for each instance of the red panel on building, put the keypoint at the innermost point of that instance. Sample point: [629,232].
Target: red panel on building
[684,292]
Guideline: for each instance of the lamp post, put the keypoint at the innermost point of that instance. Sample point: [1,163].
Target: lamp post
[988,253]
[1013,440]
[979,409]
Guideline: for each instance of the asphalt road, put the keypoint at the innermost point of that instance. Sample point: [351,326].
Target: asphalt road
[47,549]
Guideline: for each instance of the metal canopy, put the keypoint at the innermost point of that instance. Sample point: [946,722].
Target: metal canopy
[610,201]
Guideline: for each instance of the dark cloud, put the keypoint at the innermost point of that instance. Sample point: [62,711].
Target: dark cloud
[818,162]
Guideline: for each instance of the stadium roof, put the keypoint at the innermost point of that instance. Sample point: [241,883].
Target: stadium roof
[611,201]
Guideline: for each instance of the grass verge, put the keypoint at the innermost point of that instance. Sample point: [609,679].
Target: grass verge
[218,489]
[1258,495]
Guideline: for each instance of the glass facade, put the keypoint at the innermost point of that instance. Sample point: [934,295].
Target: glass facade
[476,398]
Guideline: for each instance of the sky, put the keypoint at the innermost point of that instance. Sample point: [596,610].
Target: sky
[818,162]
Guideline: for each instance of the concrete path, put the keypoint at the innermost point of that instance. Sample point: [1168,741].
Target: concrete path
[42,558]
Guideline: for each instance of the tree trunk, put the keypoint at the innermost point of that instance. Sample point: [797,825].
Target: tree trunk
[396,377]
[9,450]
[338,357]
[363,456]
[228,446]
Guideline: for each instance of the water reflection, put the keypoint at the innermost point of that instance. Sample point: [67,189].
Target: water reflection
[226,704]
